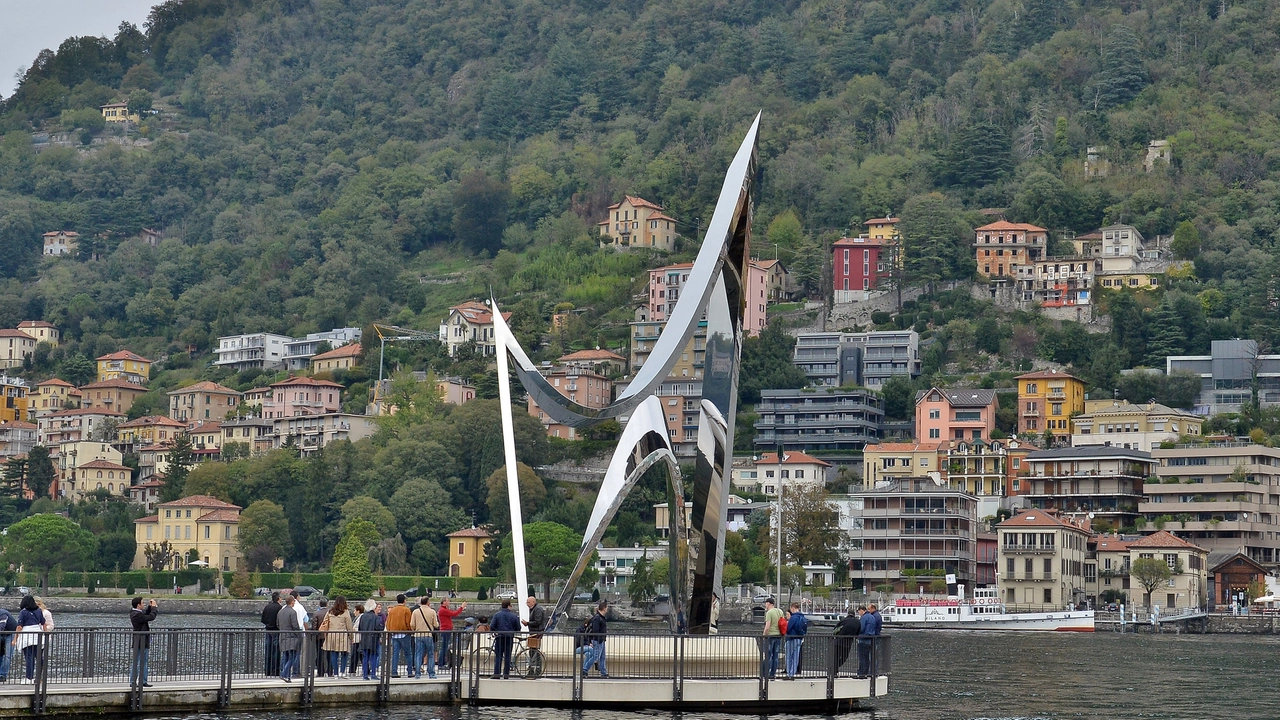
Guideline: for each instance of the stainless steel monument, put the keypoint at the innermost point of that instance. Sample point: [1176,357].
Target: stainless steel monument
[716,289]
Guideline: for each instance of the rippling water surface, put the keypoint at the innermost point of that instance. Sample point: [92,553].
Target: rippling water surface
[945,675]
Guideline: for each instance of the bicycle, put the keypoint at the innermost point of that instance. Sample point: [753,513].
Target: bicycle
[527,661]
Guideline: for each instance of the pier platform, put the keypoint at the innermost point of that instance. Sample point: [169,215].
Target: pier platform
[191,671]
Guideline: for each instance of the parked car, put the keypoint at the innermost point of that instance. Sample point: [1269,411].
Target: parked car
[306,591]
[1113,607]
[760,598]
[262,592]
[411,592]
[506,595]
[582,597]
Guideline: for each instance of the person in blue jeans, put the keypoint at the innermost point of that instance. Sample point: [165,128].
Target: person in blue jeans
[597,633]
[141,618]
[797,628]
[425,623]
[370,627]
[290,639]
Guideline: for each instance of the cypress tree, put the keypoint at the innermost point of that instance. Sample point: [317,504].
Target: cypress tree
[352,576]
[1123,74]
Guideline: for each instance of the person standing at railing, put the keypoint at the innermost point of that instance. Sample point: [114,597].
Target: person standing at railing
[27,639]
[400,625]
[772,638]
[290,639]
[505,625]
[536,623]
[370,627]
[846,631]
[425,623]
[316,641]
[141,618]
[797,628]
[447,637]
[270,623]
[336,629]
[598,633]
[8,625]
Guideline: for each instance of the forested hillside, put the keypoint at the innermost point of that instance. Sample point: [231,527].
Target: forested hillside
[313,164]
[313,160]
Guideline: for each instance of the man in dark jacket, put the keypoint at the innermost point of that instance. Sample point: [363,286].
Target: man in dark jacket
[140,618]
[505,624]
[846,630]
[271,652]
[536,623]
[290,639]
[597,634]
[370,626]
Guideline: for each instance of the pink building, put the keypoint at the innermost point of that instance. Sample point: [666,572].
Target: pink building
[666,283]
[302,396]
[952,415]
[583,386]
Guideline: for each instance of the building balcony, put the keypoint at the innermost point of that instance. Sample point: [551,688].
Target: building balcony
[1031,413]
[1025,549]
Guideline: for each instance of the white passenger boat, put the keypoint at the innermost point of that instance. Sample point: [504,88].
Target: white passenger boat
[983,612]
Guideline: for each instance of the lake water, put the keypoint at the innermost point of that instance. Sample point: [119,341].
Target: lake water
[957,675]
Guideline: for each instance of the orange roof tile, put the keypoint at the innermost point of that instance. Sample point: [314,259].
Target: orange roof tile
[588,355]
[859,242]
[1164,539]
[118,383]
[15,334]
[905,447]
[351,350]
[1006,225]
[17,425]
[36,324]
[881,221]
[102,465]
[790,457]
[297,380]
[149,518]
[55,381]
[200,501]
[1046,375]
[150,420]
[124,355]
[471,532]
[223,515]
[205,386]
[1038,518]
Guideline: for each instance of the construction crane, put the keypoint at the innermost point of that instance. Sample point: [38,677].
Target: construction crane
[395,333]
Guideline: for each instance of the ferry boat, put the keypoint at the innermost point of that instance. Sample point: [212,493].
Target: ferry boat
[983,612]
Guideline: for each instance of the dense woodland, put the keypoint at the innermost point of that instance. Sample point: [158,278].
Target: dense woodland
[333,163]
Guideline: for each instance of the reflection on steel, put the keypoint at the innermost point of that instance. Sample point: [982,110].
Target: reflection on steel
[503,338]
[643,444]
[715,289]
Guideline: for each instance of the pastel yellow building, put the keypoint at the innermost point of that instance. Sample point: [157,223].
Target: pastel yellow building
[52,395]
[197,522]
[1132,280]
[124,365]
[97,475]
[636,222]
[15,346]
[118,395]
[466,551]
[150,430]
[1047,400]
[117,112]
[343,358]
[42,331]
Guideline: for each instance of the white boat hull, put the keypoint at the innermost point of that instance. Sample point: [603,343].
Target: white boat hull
[1073,621]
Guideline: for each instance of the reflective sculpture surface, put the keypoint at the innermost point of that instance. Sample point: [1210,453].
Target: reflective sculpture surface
[715,289]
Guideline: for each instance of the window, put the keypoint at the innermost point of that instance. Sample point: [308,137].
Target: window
[1029,566]
[462,548]
[226,533]
[934,433]
[187,532]
[166,532]
[1009,564]
[935,414]
[799,474]
[1048,596]
[1171,559]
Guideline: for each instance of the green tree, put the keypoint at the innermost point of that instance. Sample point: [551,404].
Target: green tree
[1166,335]
[643,583]
[785,230]
[766,364]
[43,542]
[181,458]
[899,398]
[1150,573]
[264,533]
[1043,200]
[15,477]
[977,156]
[931,237]
[78,369]
[533,491]
[241,583]
[425,513]
[367,508]
[550,551]
[1128,327]
[352,576]
[40,471]
[1123,73]
[1186,241]
[812,530]
[480,212]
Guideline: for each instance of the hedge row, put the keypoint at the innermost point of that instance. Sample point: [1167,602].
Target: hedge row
[322,581]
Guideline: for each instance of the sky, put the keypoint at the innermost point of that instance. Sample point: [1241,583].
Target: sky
[29,26]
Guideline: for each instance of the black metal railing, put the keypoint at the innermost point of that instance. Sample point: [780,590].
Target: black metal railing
[100,658]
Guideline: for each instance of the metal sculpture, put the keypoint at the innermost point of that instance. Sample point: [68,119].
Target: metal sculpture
[715,289]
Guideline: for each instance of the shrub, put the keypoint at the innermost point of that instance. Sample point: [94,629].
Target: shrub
[129,591]
[482,595]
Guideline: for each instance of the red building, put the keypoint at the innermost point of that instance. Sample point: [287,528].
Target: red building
[858,266]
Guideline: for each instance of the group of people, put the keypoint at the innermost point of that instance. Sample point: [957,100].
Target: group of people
[23,633]
[791,625]
[864,623]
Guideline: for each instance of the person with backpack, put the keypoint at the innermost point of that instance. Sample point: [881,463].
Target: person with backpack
[598,634]
[797,628]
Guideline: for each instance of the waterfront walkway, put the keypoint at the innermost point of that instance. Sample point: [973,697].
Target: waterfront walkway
[81,671]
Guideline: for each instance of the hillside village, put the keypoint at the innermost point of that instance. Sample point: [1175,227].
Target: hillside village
[1063,461]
